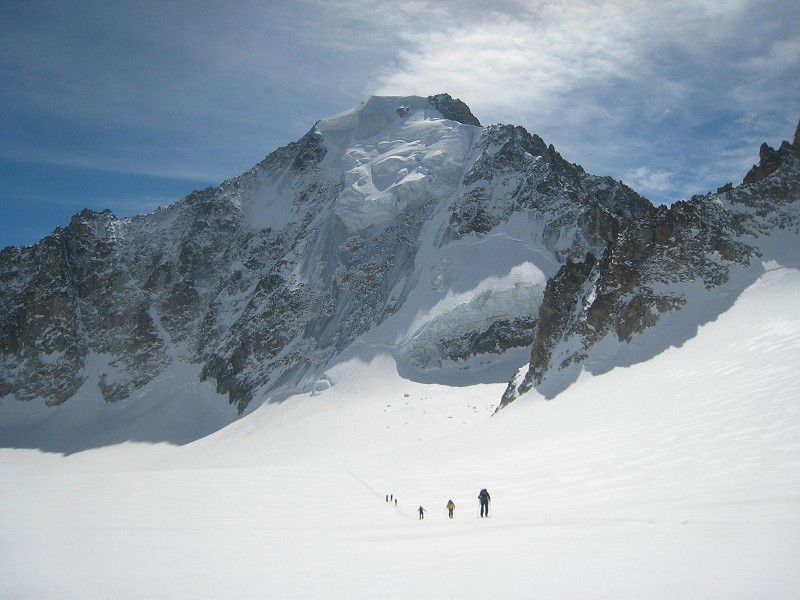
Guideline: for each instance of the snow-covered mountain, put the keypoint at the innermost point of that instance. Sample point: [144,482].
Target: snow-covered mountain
[399,226]
[381,280]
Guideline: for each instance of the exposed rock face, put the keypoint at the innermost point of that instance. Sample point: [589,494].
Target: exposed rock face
[372,228]
[796,140]
[645,270]
[453,109]
[770,159]
[517,171]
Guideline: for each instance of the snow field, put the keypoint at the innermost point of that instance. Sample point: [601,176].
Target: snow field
[670,479]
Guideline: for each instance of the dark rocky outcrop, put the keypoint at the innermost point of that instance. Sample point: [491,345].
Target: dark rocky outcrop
[453,109]
[651,259]
[770,159]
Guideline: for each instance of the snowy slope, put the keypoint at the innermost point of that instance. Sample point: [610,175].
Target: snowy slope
[670,479]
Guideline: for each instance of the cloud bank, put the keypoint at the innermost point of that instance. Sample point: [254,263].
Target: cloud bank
[673,95]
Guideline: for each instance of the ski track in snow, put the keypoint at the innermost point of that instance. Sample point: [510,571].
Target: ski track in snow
[671,479]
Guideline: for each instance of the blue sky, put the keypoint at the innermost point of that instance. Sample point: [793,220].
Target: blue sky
[131,106]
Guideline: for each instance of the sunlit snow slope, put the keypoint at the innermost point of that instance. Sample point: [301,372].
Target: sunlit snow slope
[674,478]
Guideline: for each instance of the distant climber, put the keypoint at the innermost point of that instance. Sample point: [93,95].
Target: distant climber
[484,499]
[450,508]
[421,513]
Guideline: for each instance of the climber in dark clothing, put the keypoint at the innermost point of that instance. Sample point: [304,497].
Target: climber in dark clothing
[421,513]
[484,499]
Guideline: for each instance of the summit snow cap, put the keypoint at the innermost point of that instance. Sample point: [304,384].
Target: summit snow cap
[376,113]
[392,152]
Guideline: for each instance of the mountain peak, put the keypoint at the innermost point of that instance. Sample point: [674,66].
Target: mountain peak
[796,140]
[770,159]
[453,109]
[378,112]
[391,152]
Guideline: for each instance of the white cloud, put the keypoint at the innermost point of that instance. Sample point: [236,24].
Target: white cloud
[536,57]
[647,181]
[656,93]
[503,63]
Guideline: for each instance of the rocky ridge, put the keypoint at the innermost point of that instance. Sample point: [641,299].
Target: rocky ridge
[649,267]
